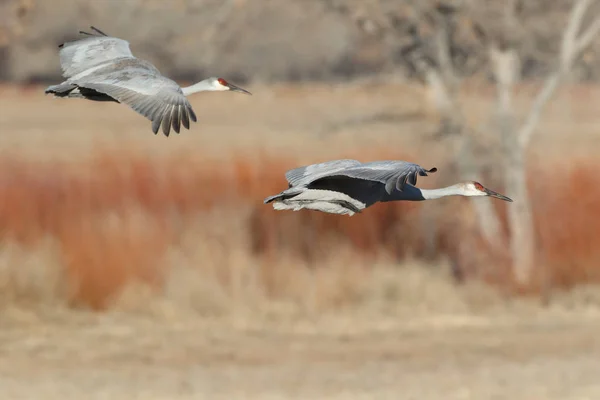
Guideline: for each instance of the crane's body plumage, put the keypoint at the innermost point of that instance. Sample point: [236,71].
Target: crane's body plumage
[102,68]
[348,186]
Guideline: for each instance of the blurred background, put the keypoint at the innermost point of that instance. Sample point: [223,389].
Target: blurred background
[141,265]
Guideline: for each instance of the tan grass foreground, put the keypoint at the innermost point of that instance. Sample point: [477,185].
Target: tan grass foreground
[210,291]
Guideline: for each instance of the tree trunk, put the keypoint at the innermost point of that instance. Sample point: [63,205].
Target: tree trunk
[486,216]
[447,106]
[520,218]
[505,64]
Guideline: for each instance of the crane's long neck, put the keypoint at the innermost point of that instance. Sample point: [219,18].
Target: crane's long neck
[412,193]
[201,86]
[432,194]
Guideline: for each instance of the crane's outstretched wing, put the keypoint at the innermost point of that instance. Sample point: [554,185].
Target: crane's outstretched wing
[139,85]
[91,51]
[393,174]
[309,173]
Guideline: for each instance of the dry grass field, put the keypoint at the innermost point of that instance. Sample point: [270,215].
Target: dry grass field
[139,266]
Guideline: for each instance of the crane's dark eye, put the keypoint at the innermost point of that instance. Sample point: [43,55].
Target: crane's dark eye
[222,82]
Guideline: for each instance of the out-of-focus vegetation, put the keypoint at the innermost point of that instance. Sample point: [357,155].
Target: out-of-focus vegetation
[107,218]
[278,41]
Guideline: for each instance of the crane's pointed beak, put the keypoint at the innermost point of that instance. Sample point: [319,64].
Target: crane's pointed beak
[234,88]
[491,193]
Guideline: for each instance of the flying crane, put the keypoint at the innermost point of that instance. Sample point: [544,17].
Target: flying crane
[347,186]
[99,67]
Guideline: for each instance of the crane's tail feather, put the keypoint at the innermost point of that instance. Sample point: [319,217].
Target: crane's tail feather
[60,90]
[272,198]
[286,194]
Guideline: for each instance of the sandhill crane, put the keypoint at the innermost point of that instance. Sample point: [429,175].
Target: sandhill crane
[102,68]
[349,186]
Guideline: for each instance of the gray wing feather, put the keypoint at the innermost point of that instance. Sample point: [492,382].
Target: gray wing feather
[393,174]
[155,97]
[159,108]
[83,54]
[106,64]
[309,173]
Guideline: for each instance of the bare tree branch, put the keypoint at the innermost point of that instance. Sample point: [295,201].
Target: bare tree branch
[544,95]
[585,39]
[441,78]
[571,31]
[571,48]
[442,41]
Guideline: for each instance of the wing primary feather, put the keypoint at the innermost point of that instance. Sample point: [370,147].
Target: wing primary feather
[185,119]
[389,186]
[158,118]
[98,30]
[156,112]
[401,182]
[192,114]
[166,122]
[168,109]
[412,179]
[176,119]
[145,108]
[156,124]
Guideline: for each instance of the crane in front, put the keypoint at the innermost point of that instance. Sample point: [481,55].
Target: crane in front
[348,186]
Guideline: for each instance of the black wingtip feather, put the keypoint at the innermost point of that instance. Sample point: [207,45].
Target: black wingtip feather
[412,179]
[176,119]
[185,119]
[166,131]
[401,182]
[166,122]
[270,199]
[156,124]
[424,172]
[192,114]
[389,187]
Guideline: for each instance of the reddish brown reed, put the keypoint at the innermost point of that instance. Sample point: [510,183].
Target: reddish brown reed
[116,215]
[567,224]
[567,214]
